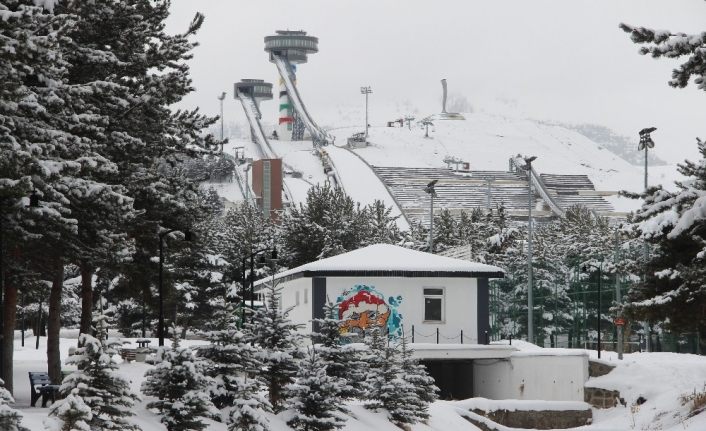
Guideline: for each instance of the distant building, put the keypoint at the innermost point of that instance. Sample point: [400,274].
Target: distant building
[267,185]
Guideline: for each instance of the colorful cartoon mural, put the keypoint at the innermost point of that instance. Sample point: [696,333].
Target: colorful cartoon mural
[363,307]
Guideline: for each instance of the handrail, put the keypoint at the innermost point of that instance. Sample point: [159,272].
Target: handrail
[285,70]
[539,186]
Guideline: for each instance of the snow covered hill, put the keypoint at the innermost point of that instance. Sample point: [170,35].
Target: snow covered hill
[485,141]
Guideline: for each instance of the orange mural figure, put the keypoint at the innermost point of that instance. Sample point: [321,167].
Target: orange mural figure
[363,308]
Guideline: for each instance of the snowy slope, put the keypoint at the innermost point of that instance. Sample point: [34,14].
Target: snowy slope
[484,140]
[487,141]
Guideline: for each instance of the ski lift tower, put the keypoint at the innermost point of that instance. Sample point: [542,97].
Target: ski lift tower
[294,47]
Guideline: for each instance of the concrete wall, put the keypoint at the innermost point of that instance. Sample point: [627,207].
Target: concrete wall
[531,377]
[460,303]
[297,295]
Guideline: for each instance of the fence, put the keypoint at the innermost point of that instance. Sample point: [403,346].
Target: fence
[439,337]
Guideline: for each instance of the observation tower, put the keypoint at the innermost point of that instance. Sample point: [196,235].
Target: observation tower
[288,49]
[251,92]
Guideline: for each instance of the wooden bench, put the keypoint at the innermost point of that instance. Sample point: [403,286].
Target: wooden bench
[41,386]
[128,354]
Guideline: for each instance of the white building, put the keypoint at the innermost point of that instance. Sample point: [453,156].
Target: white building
[440,302]
[423,295]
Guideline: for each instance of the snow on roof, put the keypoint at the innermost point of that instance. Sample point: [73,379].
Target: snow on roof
[386,260]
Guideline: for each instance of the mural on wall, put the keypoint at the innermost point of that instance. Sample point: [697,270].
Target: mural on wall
[363,307]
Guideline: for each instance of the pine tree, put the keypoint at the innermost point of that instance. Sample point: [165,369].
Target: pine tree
[279,344]
[417,375]
[248,413]
[178,383]
[10,419]
[97,382]
[232,365]
[673,289]
[665,44]
[315,397]
[343,362]
[387,387]
[71,414]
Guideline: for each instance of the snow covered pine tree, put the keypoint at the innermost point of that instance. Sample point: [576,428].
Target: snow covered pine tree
[98,384]
[178,382]
[277,337]
[9,418]
[315,397]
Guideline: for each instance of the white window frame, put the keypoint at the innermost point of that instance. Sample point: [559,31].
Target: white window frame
[443,303]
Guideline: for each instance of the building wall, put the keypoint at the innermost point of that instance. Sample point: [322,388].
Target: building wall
[531,377]
[404,299]
[267,185]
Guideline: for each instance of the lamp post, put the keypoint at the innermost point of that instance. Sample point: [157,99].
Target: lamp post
[618,298]
[645,144]
[432,193]
[162,235]
[221,98]
[366,91]
[33,203]
[530,294]
[251,278]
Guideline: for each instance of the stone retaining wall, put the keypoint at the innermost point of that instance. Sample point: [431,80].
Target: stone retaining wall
[601,398]
[539,419]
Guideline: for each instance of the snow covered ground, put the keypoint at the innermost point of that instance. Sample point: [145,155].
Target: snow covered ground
[484,140]
[660,378]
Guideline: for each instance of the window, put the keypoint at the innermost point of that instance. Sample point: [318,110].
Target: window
[296,298]
[434,304]
[306,296]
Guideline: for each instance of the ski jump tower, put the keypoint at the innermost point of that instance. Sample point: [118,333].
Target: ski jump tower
[287,49]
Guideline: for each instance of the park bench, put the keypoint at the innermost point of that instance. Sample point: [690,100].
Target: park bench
[128,354]
[41,386]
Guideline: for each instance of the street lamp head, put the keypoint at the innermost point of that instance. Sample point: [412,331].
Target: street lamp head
[365,90]
[222,96]
[646,141]
[531,159]
[188,235]
[34,200]
[273,255]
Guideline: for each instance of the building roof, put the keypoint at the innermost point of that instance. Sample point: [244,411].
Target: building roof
[386,260]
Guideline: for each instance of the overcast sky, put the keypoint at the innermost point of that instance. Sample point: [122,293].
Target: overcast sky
[552,59]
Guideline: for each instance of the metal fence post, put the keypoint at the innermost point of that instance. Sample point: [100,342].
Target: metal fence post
[412,334]
[437,335]
[461,336]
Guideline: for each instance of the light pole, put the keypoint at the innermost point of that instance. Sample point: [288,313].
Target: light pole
[251,279]
[618,298]
[162,235]
[530,294]
[432,193]
[366,91]
[646,143]
[221,98]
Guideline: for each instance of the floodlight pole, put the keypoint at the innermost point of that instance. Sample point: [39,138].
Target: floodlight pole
[431,223]
[221,98]
[618,298]
[646,143]
[366,91]
[530,295]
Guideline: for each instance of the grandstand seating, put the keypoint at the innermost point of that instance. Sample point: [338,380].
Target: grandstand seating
[457,191]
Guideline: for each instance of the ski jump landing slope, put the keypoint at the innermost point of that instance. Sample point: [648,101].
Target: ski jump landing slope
[361,183]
